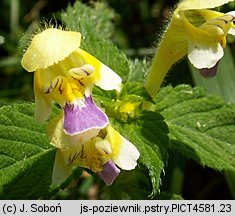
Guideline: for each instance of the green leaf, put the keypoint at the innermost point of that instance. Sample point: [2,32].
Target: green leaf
[149,134]
[26,157]
[106,98]
[223,85]
[138,70]
[95,19]
[201,126]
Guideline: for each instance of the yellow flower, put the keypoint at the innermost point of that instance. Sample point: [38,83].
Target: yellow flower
[66,74]
[97,150]
[196,31]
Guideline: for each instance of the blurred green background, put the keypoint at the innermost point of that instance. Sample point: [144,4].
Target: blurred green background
[138,26]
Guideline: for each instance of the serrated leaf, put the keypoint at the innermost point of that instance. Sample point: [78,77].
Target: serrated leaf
[96,19]
[201,126]
[26,156]
[138,70]
[223,85]
[149,134]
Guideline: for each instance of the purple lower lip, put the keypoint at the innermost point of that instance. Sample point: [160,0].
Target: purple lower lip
[109,172]
[79,119]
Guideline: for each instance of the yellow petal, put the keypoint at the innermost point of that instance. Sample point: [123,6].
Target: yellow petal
[93,154]
[200,4]
[209,14]
[60,171]
[124,153]
[56,134]
[50,47]
[109,80]
[103,76]
[43,105]
[219,25]
[104,147]
[61,90]
[196,34]
[172,48]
